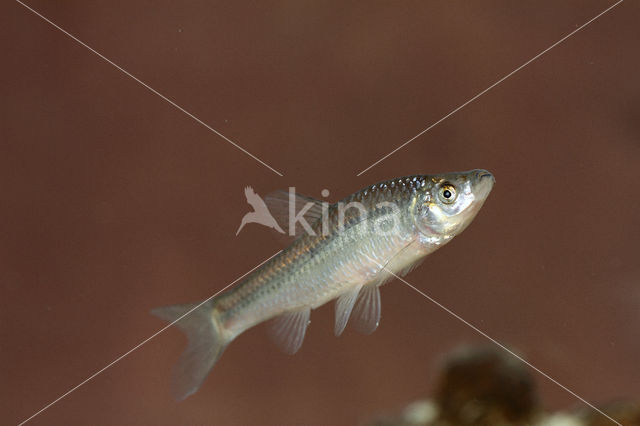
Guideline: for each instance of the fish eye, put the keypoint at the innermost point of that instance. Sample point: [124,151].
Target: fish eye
[447,193]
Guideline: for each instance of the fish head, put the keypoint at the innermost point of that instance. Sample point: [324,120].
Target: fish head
[447,204]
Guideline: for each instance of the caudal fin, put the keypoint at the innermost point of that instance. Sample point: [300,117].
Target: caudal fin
[204,347]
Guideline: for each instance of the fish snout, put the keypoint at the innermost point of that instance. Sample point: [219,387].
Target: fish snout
[482,182]
[481,174]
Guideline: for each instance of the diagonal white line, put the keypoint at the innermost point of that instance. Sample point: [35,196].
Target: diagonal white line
[491,87]
[458,317]
[148,87]
[141,343]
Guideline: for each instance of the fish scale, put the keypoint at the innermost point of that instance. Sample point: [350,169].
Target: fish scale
[308,281]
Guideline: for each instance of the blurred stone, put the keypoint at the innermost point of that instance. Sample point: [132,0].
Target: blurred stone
[625,413]
[562,419]
[419,413]
[483,386]
[478,386]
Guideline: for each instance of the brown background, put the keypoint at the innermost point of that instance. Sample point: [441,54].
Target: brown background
[114,202]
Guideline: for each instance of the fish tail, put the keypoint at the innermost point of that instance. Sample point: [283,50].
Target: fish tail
[205,344]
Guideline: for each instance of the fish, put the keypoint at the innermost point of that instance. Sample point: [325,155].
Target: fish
[343,251]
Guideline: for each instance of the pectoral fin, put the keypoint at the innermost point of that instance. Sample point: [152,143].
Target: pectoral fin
[411,267]
[288,329]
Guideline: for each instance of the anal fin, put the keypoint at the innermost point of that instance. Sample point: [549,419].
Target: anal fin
[288,329]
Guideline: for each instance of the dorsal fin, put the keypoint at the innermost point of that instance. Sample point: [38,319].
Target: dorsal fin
[307,211]
[288,329]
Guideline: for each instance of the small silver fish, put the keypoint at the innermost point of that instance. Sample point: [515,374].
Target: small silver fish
[353,248]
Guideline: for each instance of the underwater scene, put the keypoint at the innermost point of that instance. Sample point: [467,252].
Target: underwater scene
[320,213]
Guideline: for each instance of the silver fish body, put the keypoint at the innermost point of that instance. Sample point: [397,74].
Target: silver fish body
[356,246]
